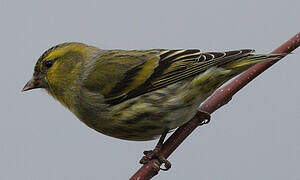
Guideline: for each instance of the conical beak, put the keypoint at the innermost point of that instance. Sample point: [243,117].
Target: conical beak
[33,83]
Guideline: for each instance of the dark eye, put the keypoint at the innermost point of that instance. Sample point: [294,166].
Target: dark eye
[48,64]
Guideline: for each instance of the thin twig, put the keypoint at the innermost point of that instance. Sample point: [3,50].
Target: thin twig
[217,100]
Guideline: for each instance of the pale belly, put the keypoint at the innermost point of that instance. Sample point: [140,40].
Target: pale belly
[147,125]
[147,116]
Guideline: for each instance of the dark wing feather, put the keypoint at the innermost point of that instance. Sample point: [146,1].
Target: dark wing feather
[177,65]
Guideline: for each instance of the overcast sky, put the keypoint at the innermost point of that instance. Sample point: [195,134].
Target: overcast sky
[255,136]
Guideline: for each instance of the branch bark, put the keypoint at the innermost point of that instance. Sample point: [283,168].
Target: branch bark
[214,102]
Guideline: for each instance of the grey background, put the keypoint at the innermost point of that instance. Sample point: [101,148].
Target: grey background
[255,136]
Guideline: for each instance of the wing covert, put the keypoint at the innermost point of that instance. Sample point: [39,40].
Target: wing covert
[173,66]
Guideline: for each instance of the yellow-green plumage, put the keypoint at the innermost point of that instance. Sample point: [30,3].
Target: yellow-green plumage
[136,94]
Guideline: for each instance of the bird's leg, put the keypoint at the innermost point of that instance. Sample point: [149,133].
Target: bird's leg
[203,117]
[156,153]
[202,114]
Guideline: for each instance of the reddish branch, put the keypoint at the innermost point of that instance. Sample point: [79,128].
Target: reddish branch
[218,99]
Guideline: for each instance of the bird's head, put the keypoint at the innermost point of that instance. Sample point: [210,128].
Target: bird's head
[57,68]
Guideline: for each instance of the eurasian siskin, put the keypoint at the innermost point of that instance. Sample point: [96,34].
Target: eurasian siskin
[135,94]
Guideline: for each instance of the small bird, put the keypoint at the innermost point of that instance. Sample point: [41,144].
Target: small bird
[136,94]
